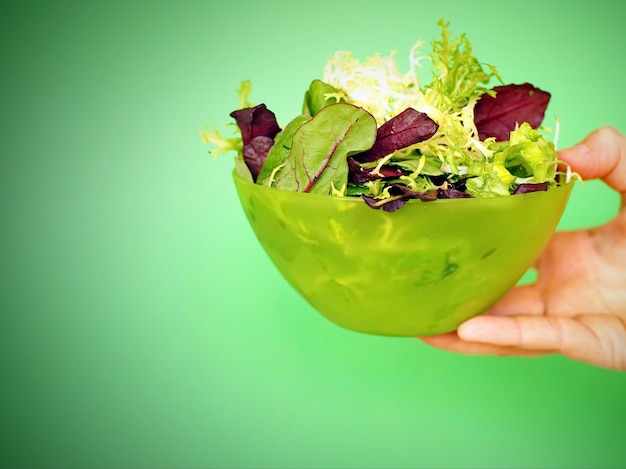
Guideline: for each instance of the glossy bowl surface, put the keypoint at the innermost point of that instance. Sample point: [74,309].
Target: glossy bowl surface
[421,270]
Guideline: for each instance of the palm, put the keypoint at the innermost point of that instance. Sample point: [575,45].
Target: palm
[583,271]
[580,292]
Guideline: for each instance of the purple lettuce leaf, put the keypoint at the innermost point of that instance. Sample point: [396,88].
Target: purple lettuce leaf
[390,205]
[359,175]
[405,129]
[525,188]
[401,189]
[400,194]
[513,104]
[256,121]
[255,153]
[452,193]
[258,128]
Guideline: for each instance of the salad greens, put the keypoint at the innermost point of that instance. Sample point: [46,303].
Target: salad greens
[368,130]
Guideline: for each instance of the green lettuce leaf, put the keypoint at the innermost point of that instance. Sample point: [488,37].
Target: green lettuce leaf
[280,151]
[529,155]
[318,95]
[490,180]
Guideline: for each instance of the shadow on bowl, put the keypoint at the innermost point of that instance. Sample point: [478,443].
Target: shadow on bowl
[421,270]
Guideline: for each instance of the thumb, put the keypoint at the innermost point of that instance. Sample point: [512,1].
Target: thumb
[601,155]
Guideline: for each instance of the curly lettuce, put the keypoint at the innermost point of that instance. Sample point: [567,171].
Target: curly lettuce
[367,129]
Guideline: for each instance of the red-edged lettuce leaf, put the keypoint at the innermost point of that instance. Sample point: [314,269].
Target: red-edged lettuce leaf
[405,129]
[320,148]
[258,128]
[280,150]
[496,116]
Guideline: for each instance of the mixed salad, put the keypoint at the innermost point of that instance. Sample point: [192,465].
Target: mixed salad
[368,130]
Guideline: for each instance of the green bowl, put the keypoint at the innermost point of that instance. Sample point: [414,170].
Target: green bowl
[421,270]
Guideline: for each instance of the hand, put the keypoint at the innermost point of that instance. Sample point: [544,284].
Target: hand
[577,306]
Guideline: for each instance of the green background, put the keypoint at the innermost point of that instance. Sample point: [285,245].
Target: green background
[141,323]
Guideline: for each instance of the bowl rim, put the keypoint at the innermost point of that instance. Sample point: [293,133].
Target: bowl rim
[566,186]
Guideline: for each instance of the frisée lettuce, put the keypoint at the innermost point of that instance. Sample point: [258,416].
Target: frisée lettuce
[368,130]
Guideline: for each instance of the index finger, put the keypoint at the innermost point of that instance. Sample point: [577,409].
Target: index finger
[601,155]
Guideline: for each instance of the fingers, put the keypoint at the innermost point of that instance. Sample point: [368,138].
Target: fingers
[595,339]
[452,343]
[601,155]
[545,333]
